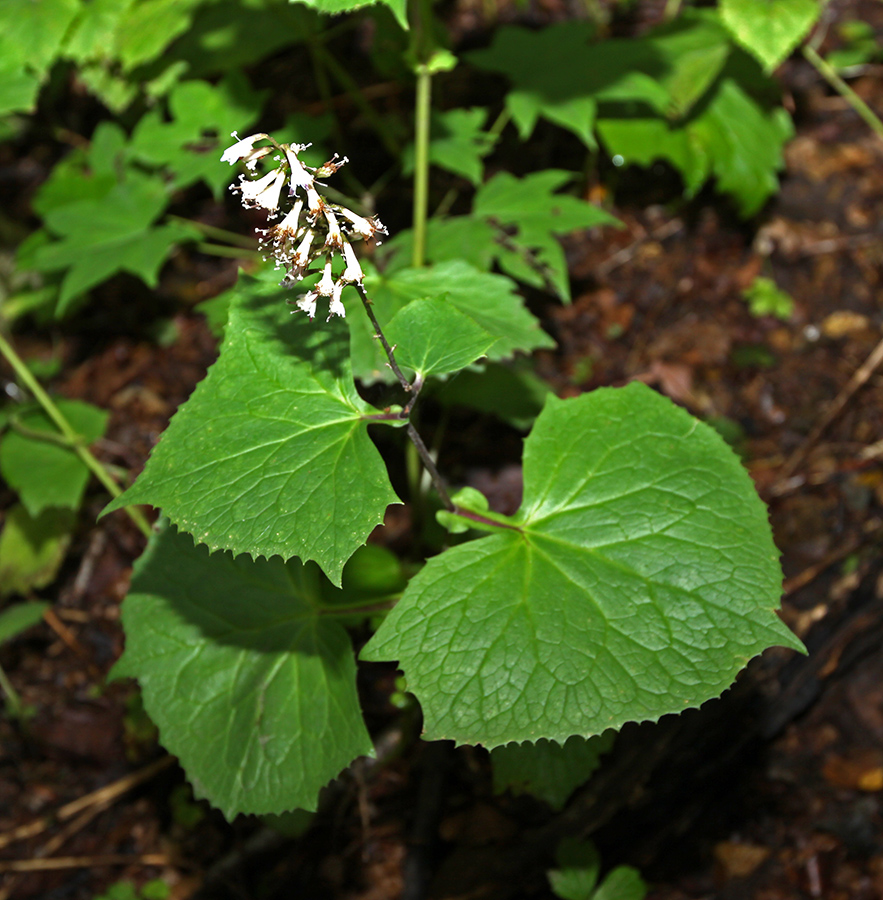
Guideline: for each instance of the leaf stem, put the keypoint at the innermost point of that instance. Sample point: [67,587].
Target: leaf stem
[221,234]
[76,440]
[829,73]
[421,164]
[378,332]
[223,250]
[414,390]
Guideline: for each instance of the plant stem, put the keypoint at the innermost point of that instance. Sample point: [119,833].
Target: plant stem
[414,390]
[421,164]
[827,71]
[366,302]
[223,250]
[13,701]
[221,234]
[65,427]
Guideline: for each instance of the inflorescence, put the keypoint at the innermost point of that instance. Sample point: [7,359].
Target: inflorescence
[312,229]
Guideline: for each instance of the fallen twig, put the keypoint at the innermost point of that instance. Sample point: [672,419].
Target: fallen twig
[862,374]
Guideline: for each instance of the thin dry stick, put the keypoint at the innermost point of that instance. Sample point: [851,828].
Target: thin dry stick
[84,862]
[802,579]
[108,793]
[862,374]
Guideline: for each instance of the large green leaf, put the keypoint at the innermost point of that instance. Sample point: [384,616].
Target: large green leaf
[490,300]
[637,579]
[769,29]
[252,687]
[271,454]
[36,462]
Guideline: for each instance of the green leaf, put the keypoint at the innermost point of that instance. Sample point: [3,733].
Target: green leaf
[271,454]
[580,866]
[103,235]
[203,117]
[637,579]
[34,29]
[548,770]
[19,618]
[622,883]
[766,298]
[32,549]
[434,338]
[744,160]
[531,205]
[94,33]
[44,471]
[490,300]
[148,27]
[769,29]
[559,75]
[251,686]
[642,141]
[458,144]
[398,7]
[18,87]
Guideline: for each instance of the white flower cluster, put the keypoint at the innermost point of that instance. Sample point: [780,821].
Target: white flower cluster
[312,228]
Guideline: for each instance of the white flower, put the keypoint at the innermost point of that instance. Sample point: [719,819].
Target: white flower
[288,226]
[264,192]
[325,285]
[336,307]
[300,177]
[308,303]
[315,202]
[353,273]
[335,238]
[367,228]
[302,254]
[244,148]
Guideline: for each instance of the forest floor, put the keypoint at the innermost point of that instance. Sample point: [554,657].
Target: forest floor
[795,811]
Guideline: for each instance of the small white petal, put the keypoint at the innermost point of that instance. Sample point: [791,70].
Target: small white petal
[308,303]
[325,285]
[335,238]
[300,177]
[314,200]
[336,307]
[242,148]
[365,227]
[302,254]
[265,191]
[353,273]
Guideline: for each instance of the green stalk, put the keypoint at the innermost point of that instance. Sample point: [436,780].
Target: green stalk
[65,427]
[221,234]
[421,164]
[13,701]
[827,71]
[231,252]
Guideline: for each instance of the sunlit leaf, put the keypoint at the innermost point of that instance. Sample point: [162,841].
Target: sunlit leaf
[271,454]
[637,579]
